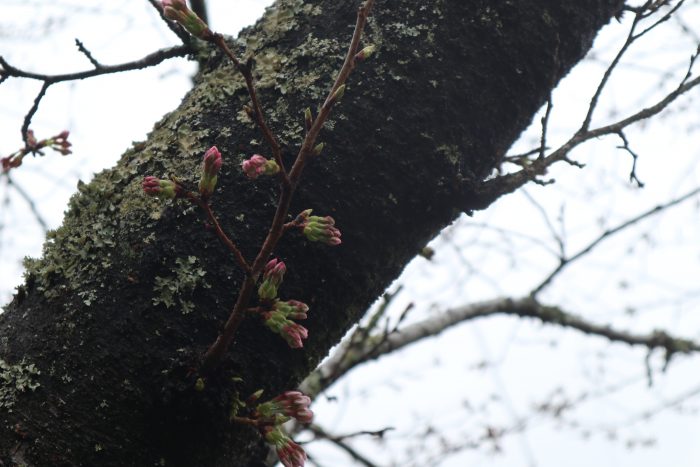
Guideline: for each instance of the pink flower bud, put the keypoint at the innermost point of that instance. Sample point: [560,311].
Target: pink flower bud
[294,334]
[60,143]
[272,278]
[211,165]
[288,404]
[289,453]
[10,162]
[162,188]
[257,165]
[290,331]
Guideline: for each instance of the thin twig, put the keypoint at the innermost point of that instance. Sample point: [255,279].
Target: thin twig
[246,71]
[340,442]
[214,221]
[48,80]
[564,262]
[626,146]
[88,54]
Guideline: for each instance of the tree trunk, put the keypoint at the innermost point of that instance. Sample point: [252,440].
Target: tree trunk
[100,347]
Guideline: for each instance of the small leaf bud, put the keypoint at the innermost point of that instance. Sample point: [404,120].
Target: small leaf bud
[365,53]
[317,149]
[308,119]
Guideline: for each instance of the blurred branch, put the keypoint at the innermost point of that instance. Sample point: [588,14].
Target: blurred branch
[342,361]
[564,261]
[149,60]
[339,441]
[30,202]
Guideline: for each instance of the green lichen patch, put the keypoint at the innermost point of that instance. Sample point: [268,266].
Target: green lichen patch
[15,380]
[178,288]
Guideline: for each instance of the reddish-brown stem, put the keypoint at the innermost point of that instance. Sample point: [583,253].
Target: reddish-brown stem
[348,65]
[217,350]
[247,73]
[219,231]
[245,421]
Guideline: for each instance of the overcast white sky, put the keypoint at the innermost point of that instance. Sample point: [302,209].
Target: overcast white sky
[487,373]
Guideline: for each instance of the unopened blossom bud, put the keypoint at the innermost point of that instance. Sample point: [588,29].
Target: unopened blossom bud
[10,162]
[292,404]
[321,229]
[178,11]
[60,143]
[365,53]
[317,149]
[161,188]
[292,309]
[289,453]
[272,278]
[257,165]
[291,332]
[211,165]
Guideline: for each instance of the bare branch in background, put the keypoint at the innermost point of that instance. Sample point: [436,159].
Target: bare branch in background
[48,80]
[531,170]
[30,202]
[320,433]
[564,262]
[527,307]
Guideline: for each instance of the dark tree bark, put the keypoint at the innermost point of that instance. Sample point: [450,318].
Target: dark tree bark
[421,124]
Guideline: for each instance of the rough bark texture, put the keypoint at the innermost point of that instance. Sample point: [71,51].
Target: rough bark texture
[453,84]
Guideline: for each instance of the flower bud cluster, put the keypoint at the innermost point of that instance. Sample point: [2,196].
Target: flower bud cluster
[272,414]
[58,143]
[290,404]
[211,165]
[258,165]
[319,229]
[279,321]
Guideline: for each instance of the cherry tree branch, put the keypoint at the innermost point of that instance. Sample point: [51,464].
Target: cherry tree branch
[566,261]
[484,194]
[152,59]
[345,359]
